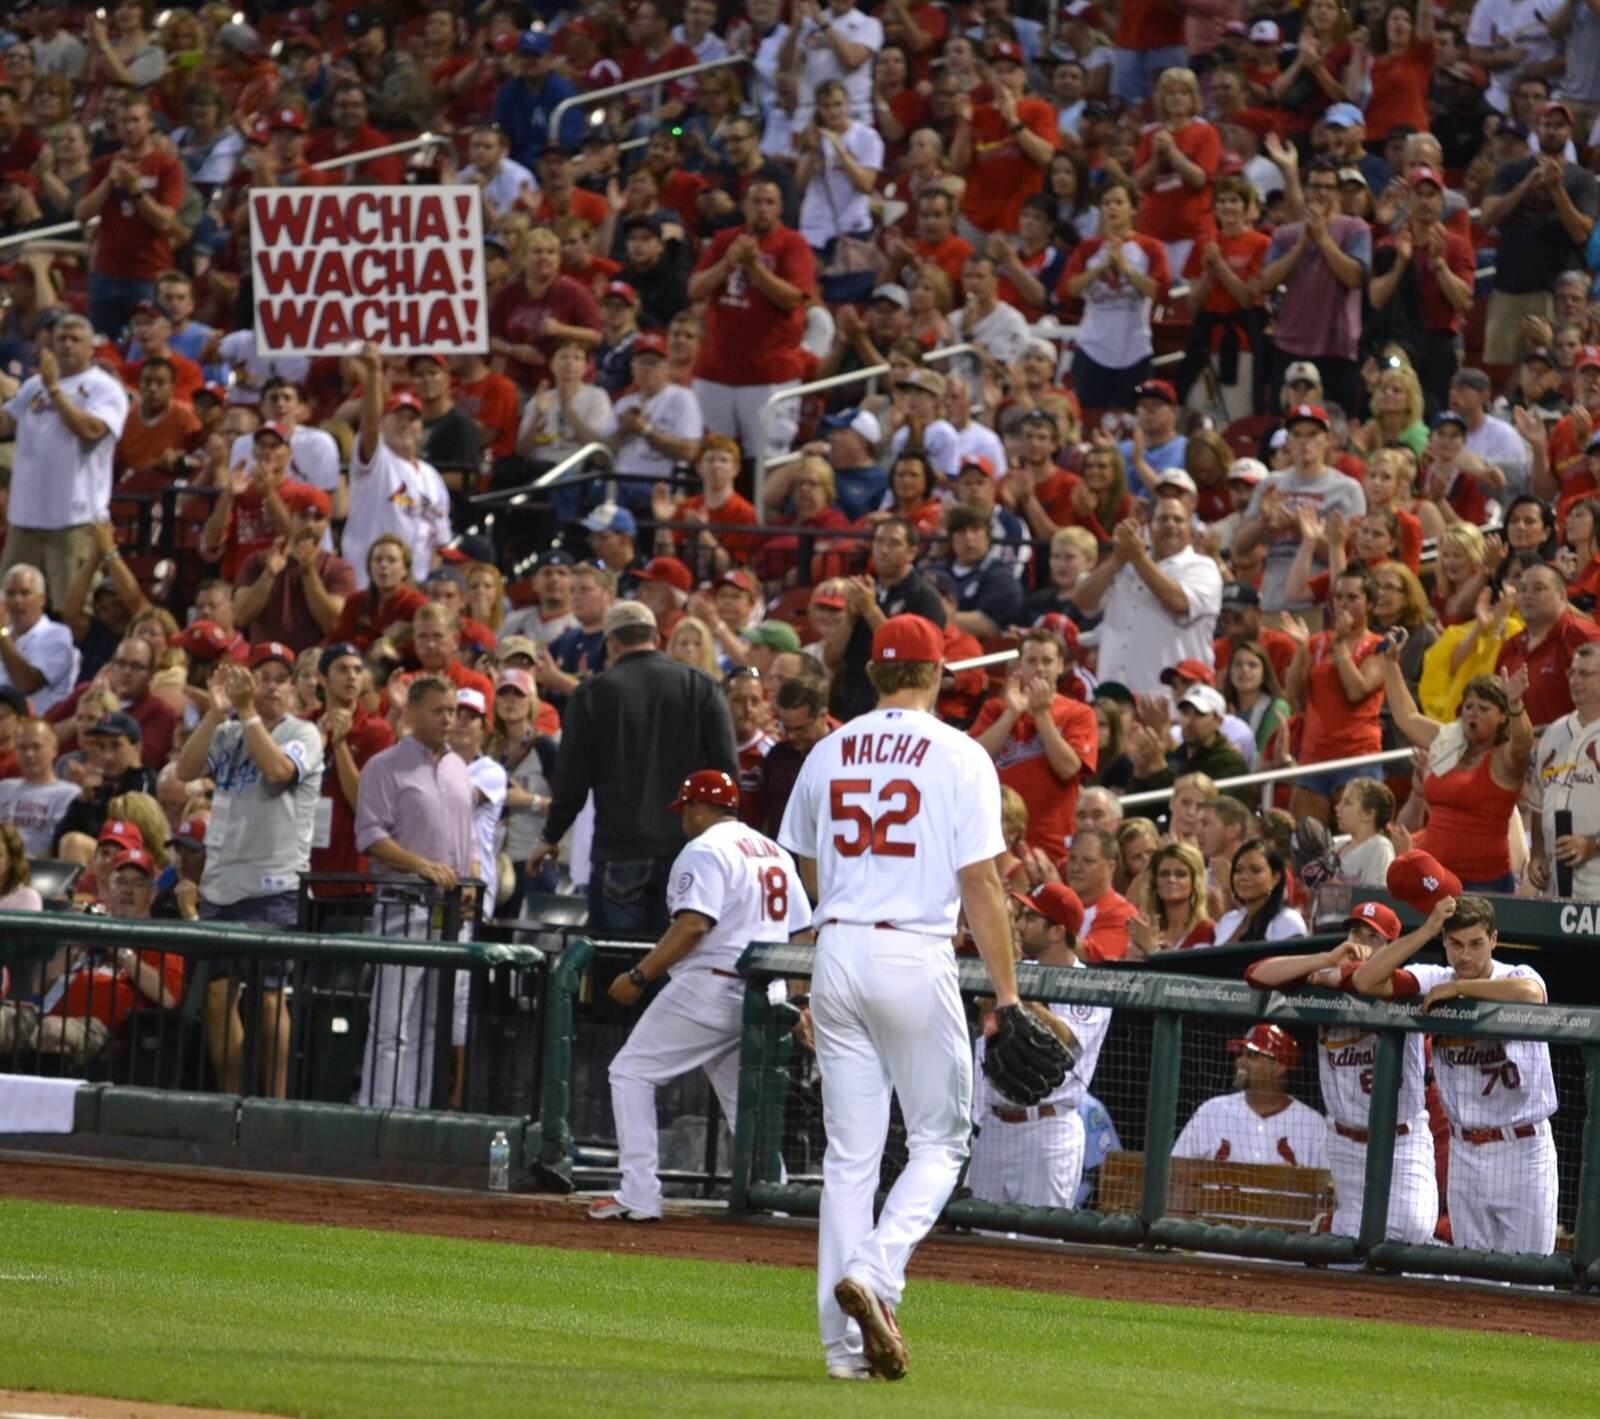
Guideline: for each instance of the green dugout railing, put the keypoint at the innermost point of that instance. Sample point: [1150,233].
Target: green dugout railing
[1169,999]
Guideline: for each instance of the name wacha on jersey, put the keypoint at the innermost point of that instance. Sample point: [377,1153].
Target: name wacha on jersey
[884,748]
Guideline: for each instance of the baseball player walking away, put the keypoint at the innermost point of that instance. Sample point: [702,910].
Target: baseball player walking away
[1345,1058]
[728,887]
[1497,1094]
[1034,1155]
[1261,1123]
[895,823]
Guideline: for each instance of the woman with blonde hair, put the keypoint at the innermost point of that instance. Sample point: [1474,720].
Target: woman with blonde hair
[157,626]
[1397,408]
[1181,145]
[15,893]
[692,644]
[486,595]
[932,296]
[149,818]
[1173,915]
[1390,485]
[798,560]
[1462,571]
[1137,841]
[307,683]
[1207,459]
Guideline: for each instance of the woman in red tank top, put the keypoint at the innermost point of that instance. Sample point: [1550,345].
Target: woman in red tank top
[1475,774]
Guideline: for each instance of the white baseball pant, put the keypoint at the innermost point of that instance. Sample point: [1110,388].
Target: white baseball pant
[1413,1192]
[1503,1194]
[694,1023]
[1034,1163]
[887,1018]
[735,410]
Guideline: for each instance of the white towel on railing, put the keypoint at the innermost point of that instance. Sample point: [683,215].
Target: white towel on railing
[29,1105]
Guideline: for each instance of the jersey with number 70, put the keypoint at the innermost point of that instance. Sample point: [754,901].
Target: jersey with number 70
[892,806]
[745,884]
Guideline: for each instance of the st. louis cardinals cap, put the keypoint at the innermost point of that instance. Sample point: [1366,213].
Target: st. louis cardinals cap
[1056,903]
[908,638]
[1306,414]
[271,650]
[1379,917]
[1417,879]
[135,857]
[1271,1041]
[124,834]
[1196,672]
[706,786]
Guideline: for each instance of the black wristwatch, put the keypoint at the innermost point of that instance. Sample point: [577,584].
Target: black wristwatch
[1016,127]
[636,977]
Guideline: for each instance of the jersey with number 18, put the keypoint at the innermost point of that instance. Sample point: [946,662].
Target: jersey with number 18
[892,806]
[745,884]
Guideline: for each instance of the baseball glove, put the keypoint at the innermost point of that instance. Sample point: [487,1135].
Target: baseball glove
[1023,1059]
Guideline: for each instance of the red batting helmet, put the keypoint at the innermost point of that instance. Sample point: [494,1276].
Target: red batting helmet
[1270,1040]
[706,786]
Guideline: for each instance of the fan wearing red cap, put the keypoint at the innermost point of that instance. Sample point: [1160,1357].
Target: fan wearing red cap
[660,422]
[242,523]
[1260,1122]
[1498,1094]
[895,819]
[728,887]
[1042,742]
[1034,1156]
[1017,137]
[293,591]
[392,489]
[1441,263]
[1346,1056]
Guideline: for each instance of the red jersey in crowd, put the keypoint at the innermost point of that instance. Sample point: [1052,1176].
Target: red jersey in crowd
[128,247]
[748,339]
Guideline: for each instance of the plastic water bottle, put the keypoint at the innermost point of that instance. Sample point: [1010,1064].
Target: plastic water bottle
[500,1163]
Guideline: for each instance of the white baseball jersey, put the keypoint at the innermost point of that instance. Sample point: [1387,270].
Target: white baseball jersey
[1227,1130]
[1345,1059]
[746,884]
[892,806]
[1088,1024]
[489,802]
[393,494]
[1564,776]
[1490,1083]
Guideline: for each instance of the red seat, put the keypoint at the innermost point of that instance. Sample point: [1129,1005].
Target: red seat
[1244,436]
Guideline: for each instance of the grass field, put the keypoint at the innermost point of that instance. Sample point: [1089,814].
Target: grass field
[333,1322]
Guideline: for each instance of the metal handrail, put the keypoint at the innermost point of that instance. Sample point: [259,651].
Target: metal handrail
[422,140]
[595,98]
[515,497]
[1270,776]
[817,386]
[40,233]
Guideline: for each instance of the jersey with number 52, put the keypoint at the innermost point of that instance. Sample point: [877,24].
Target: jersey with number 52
[745,884]
[892,806]
[1485,1083]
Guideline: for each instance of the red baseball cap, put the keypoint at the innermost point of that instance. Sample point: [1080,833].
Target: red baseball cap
[828,599]
[289,118]
[1064,626]
[668,570]
[297,497]
[1306,413]
[1194,671]
[204,640]
[740,580]
[908,637]
[978,461]
[279,431]
[1589,358]
[270,650]
[518,680]
[1005,51]
[1418,176]
[430,357]
[1417,880]
[1379,917]
[403,401]
[650,342]
[191,832]
[1269,1040]
[1056,903]
[1155,389]
[123,833]
[706,786]
[620,291]
[136,857]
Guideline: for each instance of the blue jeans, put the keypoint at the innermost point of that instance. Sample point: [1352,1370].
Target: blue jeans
[1134,71]
[112,299]
[629,895]
[1328,785]
[1100,386]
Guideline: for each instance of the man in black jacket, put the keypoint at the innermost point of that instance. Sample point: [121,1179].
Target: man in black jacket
[898,589]
[632,735]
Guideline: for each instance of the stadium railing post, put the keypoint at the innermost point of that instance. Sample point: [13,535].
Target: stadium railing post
[1381,1122]
[554,1164]
[752,1088]
[1586,1228]
[774,1080]
[1161,1113]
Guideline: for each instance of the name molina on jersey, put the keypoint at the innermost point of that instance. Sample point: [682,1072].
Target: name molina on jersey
[884,748]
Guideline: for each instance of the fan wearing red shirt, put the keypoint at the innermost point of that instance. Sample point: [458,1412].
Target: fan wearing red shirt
[1402,73]
[1220,272]
[350,737]
[1565,472]
[1173,168]
[135,192]
[934,244]
[1149,39]
[756,279]
[1002,148]
[352,135]
[1041,742]
[1552,630]
[716,505]
[490,401]
[250,515]
[530,317]
[160,430]
[559,194]
[655,51]
[152,333]
[677,189]
[20,146]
